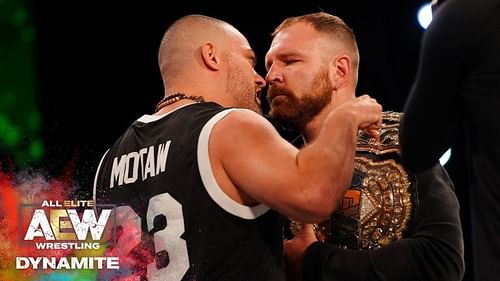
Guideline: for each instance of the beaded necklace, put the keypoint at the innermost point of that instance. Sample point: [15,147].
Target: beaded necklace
[170,99]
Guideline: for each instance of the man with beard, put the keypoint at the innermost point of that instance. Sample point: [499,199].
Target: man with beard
[201,179]
[312,69]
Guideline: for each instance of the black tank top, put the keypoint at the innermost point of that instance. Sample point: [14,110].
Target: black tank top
[158,175]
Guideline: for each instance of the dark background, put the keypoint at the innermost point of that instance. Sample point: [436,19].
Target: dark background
[97,69]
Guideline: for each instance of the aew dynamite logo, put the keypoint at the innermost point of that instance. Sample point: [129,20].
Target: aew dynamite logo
[67,226]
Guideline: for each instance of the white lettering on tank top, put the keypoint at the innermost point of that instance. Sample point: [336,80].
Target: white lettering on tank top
[145,163]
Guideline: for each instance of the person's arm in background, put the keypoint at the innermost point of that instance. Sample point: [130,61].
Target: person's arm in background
[433,252]
[434,110]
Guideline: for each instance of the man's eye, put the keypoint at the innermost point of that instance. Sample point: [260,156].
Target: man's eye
[288,62]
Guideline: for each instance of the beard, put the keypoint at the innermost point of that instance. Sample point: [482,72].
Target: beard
[294,112]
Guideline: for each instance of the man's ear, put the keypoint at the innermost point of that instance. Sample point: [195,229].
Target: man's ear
[209,56]
[341,66]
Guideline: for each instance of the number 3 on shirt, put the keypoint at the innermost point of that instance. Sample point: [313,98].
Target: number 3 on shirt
[166,240]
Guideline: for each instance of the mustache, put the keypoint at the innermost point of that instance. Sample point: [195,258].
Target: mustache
[275,91]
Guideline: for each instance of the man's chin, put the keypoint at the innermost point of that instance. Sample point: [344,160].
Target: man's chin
[278,106]
[278,100]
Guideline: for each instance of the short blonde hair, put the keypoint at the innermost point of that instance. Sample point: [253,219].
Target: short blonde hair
[330,25]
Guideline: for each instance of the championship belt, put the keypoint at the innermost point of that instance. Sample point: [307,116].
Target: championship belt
[377,208]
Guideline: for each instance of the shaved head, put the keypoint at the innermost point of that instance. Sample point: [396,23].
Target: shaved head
[208,57]
[177,49]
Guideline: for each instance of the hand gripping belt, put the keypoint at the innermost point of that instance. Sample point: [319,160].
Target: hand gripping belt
[379,205]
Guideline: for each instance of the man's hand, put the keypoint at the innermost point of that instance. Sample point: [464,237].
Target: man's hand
[295,249]
[366,111]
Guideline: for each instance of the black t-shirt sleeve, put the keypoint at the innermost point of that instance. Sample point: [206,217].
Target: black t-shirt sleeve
[433,252]
[434,111]
[456,86]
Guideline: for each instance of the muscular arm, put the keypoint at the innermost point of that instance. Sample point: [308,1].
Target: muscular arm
[433,252]
[303,184]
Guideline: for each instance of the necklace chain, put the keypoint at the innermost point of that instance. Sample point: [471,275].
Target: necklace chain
[170,99]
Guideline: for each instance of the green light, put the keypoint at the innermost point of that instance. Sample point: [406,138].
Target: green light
[33,120]
[19,17]
[12,137]
[20,119]
[7,100]
[9,134]
[36,149]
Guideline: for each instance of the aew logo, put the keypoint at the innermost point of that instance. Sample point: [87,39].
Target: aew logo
[65,226]
[61,222]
